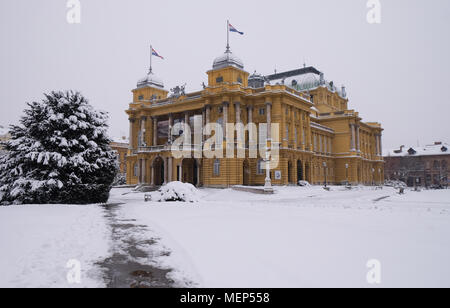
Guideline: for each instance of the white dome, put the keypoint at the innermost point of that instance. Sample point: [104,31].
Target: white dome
[150,81]
[228,59]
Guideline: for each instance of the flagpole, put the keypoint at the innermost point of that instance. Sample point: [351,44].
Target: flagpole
[228,35]
[151,53]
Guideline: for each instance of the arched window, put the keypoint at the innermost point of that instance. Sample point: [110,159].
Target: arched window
[216,167]
[136,170]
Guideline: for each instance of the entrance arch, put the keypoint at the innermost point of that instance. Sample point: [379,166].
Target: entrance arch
[307,173]
[190,170]
[246,173]
[300,171]
[158,171]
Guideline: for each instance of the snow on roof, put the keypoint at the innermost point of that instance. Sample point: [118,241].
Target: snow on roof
[120,139]
[439,148]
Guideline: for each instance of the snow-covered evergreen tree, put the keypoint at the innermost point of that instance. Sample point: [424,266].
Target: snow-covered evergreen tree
[59,154]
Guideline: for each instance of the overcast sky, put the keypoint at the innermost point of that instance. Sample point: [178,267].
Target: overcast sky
[396,72]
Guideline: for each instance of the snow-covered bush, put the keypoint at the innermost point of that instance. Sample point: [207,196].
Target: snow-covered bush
[304,184]
[59,153]
[175,191]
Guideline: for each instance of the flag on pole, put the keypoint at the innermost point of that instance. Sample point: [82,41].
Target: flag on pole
[156,54]
[233,29]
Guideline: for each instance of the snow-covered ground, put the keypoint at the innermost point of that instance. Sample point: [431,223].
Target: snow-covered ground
[298,237]
[302,237]
[38,241]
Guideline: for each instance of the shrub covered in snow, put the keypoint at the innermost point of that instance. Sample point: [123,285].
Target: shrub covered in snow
[59,154]
[175,191]
[304,184]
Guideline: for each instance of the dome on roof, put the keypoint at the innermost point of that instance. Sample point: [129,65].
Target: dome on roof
[256,81]
[228,59]
[151,80]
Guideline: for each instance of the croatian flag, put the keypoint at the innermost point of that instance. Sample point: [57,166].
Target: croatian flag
[156,54]
[233,29]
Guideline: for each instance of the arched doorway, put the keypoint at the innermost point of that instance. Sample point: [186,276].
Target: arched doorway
[190,171]
[307,173]
[158,171]
[290,173]
[299,170]
[246,173]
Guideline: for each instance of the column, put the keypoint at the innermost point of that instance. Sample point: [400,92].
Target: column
[352,138]
[309,134]
[284,138]
[143,125]
[169,137]
[269,120]
[207,117]
[238,112]
[252,141]
[203,123]
[170,169]
[380,145]
[302,134]
[139,171]
[155,131]
[144,180]
[153,176]
[187,136]
[166,168]
[208,114]
[358,147]
[130,145]
[292,129]
[377,152]
[198,174]
[149,129]
[225,119]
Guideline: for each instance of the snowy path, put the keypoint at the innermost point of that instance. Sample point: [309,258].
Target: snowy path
[302,237]
[130,264]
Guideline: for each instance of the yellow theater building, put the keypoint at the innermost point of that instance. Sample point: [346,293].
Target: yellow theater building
[320,139]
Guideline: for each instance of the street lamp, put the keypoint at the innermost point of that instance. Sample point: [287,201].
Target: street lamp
[325,171]
[268,182]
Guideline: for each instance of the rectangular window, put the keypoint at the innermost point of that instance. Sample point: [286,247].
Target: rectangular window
[219,79]
[141,97]
[262,111]
[217,167]
[259,168]
[135,171]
